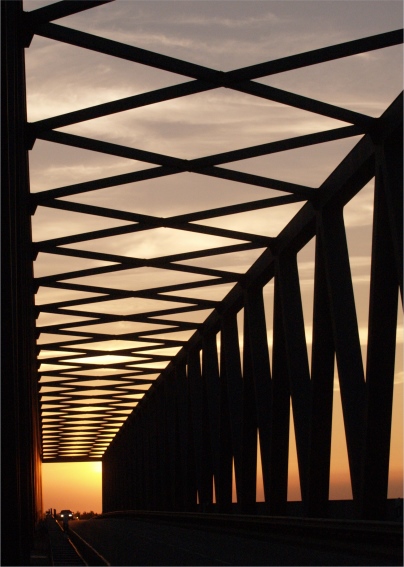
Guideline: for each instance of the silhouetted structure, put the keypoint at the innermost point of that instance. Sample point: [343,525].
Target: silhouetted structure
[21,495]
[203,414]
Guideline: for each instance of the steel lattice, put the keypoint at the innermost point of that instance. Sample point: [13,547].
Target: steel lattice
[86,397]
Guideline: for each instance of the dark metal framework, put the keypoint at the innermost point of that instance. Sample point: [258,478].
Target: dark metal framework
[21,492]
[205,409]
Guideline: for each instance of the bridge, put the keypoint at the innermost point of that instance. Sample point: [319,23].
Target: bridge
[162,366]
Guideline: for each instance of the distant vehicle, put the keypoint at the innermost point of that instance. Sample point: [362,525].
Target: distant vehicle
[66,514]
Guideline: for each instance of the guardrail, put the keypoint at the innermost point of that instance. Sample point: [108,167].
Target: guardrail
[89,554]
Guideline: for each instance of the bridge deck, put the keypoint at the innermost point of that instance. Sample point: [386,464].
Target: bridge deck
[128,540]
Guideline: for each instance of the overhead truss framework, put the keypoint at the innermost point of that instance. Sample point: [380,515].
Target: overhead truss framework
[168,415]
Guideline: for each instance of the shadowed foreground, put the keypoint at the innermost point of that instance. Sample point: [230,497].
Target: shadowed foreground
[127,541]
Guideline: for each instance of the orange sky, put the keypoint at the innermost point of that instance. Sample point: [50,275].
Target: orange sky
[73,486]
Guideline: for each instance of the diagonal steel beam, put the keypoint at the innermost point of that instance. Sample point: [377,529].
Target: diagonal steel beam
[60,10]
[201,73]
[184,218]
[161,261]
[198,163]
[316,56]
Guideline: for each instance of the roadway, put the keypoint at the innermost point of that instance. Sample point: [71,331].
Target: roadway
[131,541]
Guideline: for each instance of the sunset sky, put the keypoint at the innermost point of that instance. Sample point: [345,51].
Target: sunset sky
[222,35]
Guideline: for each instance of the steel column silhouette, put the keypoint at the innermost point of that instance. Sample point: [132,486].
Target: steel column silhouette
[20,415]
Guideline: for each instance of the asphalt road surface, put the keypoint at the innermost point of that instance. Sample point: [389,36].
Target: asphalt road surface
[127,541]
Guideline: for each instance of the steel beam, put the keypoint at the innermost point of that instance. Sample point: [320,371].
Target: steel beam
[232,369]
[287,277]
[381,342]
[249,434]
[258,366]
[346,338]
[276,490]
[224,481]
[322,385]
[211,380]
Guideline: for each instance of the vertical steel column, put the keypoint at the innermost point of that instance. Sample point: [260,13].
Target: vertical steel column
[195,390]
[200,430]
[136,440]
[169,394]
[21,443]
[184,475]
[147,476]
[106,473]
[140,467]
[124,471]
[248,494]
[211,379]
[185,466]
[108,480]
[297,361]
[381,339]
[279,455]
[232,368]
[322,383]
[131,474]
[116,474]
[225,473]
[154,496]
[195,395]
[346,338]
[207,460]
[161,448]
[256,363]
[141,461]
[389,156]
[181,437]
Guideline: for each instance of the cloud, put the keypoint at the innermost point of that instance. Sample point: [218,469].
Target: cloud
[54,223]
[226,22]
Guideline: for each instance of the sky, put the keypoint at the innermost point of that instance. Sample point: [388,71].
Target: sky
[222,35]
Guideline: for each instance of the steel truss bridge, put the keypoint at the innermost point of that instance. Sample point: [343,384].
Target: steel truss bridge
[170,416]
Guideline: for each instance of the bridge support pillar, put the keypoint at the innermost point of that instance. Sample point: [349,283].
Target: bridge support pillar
[21,436]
